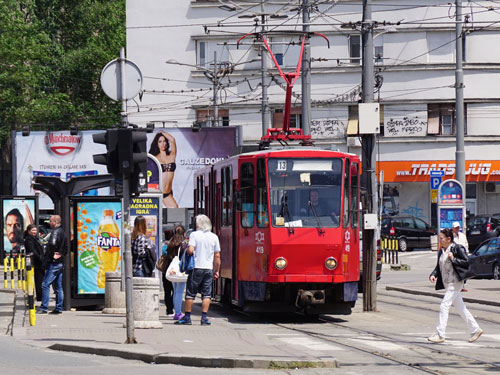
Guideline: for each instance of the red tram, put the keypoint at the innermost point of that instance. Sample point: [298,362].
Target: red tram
[288,224]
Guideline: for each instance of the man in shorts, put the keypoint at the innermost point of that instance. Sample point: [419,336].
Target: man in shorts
[206,249]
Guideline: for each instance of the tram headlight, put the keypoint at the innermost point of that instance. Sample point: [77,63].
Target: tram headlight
[280,263]
[331,263]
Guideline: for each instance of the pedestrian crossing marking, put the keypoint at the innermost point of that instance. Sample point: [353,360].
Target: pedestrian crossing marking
[309,343]
[378,344]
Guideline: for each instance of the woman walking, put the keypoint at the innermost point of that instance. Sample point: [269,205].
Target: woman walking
[176,247]
[142,250]
[35,249]
[450,272]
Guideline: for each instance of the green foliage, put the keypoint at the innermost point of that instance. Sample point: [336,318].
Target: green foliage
[51,56]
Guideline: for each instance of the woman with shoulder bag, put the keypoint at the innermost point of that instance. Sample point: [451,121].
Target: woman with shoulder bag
[143,250]
[176,247]
[451,270]
[35,249]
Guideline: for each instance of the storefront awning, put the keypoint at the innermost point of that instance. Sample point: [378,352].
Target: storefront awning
[420,170]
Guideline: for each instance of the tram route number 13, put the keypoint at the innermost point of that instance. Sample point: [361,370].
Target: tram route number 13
[281,165]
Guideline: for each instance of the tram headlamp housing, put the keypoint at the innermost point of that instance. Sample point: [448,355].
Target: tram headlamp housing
[331,263]
[280,263]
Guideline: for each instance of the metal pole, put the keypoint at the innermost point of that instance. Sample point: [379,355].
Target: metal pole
[123,91]
[306,72]
[459,98]
[216,87]
[66,224]
[127,255]
[263,65]
[369,161]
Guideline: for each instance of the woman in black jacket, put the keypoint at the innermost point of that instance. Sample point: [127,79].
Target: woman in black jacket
[451,270]
[35,249]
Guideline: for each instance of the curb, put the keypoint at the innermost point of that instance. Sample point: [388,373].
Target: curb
[182,360]
[440,295]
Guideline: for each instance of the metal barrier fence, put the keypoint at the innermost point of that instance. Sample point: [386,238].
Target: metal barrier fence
[390,249]
[20,265]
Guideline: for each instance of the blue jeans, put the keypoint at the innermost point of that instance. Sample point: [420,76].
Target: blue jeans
[53,276]
[178,292]
[139,273]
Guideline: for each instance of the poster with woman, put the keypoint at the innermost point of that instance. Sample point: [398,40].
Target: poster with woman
[179,152]
[17,214]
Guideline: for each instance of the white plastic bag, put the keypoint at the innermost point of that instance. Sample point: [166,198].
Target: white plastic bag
[173,273]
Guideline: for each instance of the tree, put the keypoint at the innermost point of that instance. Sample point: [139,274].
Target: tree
[51,56]
[52,53]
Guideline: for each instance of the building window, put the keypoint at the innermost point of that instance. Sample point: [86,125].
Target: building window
[441,119]
[295,117]
[355,49]
[205,117]
[446,124]
[202,53]
[379,55]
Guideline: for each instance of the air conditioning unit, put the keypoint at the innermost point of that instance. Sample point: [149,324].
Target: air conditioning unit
[492,188]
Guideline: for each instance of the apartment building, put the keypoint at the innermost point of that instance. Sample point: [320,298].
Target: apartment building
[188,54]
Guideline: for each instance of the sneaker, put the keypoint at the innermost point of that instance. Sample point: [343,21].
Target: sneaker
[476,335]
[205,322]
[178,316]
[464,290]
[41,312]
[184,321]
[435,338]
[170,314]
[56,312]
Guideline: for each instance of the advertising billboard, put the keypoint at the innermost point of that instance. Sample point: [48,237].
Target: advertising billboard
[17,214]
[98,245]
[149,207]
[179,152]
[55,154]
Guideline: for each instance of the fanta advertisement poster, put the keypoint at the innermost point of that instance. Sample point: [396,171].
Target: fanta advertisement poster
[98,230]
[17,214]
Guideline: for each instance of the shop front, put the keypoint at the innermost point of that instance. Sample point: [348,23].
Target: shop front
[407,186]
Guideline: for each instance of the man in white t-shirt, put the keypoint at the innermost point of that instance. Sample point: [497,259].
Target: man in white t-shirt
[206,249]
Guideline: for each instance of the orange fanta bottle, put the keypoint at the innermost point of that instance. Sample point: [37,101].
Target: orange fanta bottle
[108,247]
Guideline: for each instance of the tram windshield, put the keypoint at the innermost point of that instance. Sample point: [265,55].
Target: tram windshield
[305,192]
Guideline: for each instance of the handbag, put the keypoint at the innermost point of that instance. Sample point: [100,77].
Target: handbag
[187,263]
[173,273]
[162,263]
[148,262]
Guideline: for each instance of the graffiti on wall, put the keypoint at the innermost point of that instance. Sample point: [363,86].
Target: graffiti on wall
[327,128]
[405,127]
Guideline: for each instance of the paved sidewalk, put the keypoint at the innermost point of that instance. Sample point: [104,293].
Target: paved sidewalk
[229,342]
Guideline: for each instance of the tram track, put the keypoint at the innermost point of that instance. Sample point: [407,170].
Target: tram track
[440,360]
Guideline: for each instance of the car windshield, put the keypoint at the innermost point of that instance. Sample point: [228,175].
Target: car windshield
[305,192]
[479,221]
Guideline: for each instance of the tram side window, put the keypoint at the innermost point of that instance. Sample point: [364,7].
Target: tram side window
[247,196]
[262,213]
[345,207]
[227,197]
[354,195]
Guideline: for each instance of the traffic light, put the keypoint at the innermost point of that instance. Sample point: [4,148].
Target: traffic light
[140,157]
[109,159]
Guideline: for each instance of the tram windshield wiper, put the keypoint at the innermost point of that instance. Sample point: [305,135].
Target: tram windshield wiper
[285,212]
[318,221]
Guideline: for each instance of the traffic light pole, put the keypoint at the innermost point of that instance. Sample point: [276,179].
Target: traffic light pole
[127,255]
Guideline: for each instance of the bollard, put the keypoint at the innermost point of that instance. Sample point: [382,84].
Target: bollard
[30,276]
[23,270]
[5,270]
[11,273]
[146,300]
[114,297]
